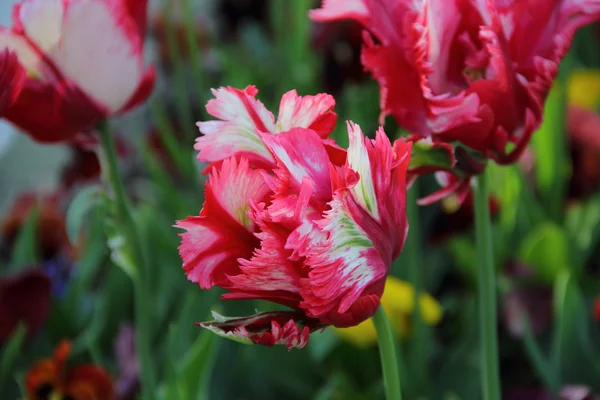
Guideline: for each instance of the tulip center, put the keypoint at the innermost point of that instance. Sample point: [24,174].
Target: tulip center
[474,74]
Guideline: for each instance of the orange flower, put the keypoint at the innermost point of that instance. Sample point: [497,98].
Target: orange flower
[48,379]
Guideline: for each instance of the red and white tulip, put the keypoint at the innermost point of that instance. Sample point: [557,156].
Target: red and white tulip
[83,61]
[293,219]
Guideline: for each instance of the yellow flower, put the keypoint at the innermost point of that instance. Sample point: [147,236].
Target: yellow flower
[398,302]
[584,88]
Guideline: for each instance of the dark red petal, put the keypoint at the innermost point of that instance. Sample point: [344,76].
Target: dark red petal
[53,114]
[12,78]
[24,297]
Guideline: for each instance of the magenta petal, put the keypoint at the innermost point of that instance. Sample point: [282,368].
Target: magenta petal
[223,233]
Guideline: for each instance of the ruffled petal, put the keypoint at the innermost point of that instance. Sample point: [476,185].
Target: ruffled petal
[269,273]
[273,272]
[240,117]
[381,188]
[302,154]
[344,265]
[366,227]
[223,232]
[358,161]
[312,112]
[291,329]
[477,72]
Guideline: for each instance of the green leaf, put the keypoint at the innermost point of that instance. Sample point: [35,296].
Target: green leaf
[507,189]
[11,353]
[543,140]
[547,250]
[25,250]
[574,355]
[81,205]
[322,344]
[120,253]
[549,145]
[428,156]
[583,226]
[465,256]
[94,256]
[192,373]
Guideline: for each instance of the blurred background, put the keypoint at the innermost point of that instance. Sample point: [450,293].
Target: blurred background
[546,212]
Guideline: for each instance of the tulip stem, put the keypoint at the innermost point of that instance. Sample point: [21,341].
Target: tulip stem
[417,350]
[387,353]
[487,292]
[128,228]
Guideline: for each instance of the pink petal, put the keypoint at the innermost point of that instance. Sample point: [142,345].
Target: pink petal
[346,264]
[272,272]
[360,162]
[222,234]
[269,269]
[381,188]
[366,227]
[302,153]
[313,112]
[240,117]
[476,72]
[342,9]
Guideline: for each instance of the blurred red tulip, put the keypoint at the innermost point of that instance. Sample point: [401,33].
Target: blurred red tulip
[473,72]
[84,62]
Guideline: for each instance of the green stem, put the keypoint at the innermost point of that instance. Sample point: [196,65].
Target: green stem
[181,85]
[537,358]
[556,197]
[487,293]
[129,230]
[417,350]
[387,352]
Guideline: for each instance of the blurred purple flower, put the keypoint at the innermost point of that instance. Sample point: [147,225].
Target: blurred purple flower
[127,383]
[59,270]
[570,392]
[527,394]
[518,269]
[533,302]
[577,392]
